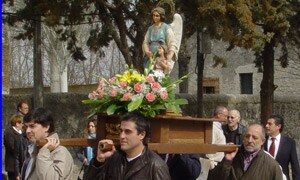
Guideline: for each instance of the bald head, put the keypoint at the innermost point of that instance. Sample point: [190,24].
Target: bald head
[254,138]
[233,119]
[221,113]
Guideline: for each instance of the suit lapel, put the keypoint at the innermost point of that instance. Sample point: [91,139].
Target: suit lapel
[281,148]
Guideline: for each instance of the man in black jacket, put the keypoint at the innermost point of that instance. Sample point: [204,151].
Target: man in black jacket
[233,130]
[134,160]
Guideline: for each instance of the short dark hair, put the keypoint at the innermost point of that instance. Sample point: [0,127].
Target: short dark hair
[41,116]
[20,104]
[278,120]
[141,123]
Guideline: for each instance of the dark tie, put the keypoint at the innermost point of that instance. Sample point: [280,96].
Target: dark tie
[272,147]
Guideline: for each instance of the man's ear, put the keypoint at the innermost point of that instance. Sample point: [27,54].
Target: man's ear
[279,125]
[142,135]
[47,128]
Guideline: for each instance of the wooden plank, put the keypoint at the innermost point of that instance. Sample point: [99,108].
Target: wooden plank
[189,148]
[176,148]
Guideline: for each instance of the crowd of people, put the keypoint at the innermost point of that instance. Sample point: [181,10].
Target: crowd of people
[264,154]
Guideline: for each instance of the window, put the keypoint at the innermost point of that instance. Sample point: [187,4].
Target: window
[209,90]
[246,83]
[211,86]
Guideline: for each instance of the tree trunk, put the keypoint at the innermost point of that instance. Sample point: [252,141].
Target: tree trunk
[64,80]
[59,78]
[183,68]
[200,64]
[267,83]
[5,60]
[37,65]
[54,75]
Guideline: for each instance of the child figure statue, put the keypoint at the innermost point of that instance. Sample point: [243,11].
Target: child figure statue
[161,63]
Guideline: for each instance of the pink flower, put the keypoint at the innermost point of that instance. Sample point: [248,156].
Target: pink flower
[112,80]
[123,84]
[138,88]
[126,96]
[150,79]
[150,97]
[93,95]
[100,92]
[155,86]
[164,95]
[113,92]
[101,84]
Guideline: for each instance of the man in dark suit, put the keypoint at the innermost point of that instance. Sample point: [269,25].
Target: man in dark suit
[281,147]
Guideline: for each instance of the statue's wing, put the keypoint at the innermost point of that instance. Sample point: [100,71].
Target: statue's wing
[177,28]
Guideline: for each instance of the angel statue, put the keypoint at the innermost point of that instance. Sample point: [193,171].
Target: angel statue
[161,33]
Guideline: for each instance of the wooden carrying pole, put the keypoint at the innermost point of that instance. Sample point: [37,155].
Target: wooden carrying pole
[176,148]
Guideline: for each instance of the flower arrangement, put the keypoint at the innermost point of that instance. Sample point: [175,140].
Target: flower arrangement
[149,93]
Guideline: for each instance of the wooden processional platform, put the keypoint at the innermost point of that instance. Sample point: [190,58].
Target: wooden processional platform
[168,134]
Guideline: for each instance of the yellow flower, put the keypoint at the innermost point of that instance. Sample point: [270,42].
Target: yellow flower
[130,76]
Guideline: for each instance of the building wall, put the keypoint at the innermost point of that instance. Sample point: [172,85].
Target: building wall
[239,61]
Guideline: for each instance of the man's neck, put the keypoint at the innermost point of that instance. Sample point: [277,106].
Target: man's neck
[233,128]
[135,152]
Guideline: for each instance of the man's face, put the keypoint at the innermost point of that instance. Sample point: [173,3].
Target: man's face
[156,17]
[24,108]
[233,119]
[253,139]
[35,131]
[223,116]
[271,128]
[130,140]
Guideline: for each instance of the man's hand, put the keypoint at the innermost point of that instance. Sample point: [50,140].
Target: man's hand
[85,161]
[102,155]
[230,156]
[52,143]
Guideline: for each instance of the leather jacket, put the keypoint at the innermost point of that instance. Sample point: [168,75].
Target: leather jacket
[147,166]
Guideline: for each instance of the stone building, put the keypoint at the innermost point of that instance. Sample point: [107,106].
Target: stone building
[240,76]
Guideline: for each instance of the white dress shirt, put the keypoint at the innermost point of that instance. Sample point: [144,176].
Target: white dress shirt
[276,141]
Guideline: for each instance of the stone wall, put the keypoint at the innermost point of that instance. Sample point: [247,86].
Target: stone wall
[70,114]
[239,61]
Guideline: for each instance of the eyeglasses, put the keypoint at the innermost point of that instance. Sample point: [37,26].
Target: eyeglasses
[230,117]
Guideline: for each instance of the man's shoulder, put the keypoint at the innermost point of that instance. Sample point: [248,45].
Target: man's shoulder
[268,159]
[242,128]
[153,157]
[286,138]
